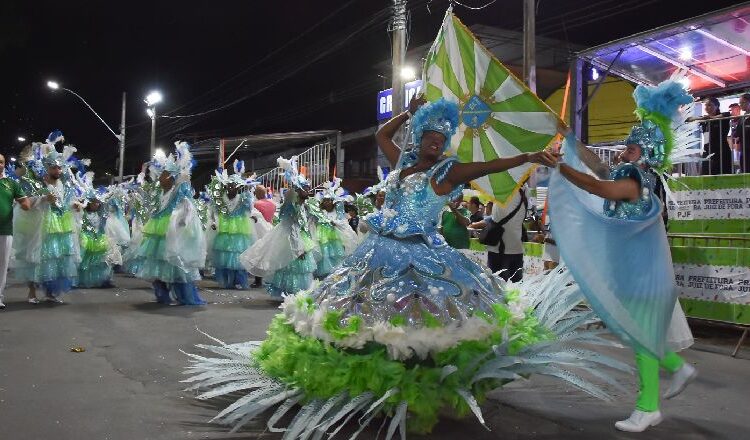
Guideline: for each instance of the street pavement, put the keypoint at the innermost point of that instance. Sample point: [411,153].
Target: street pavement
[125,385]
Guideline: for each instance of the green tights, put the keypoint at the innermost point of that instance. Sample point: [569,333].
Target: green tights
[648,374]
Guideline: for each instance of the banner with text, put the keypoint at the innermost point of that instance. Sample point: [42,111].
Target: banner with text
[714,282]
[710,204]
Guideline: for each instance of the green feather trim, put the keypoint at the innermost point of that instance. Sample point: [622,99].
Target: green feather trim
[322,371]
[665,125]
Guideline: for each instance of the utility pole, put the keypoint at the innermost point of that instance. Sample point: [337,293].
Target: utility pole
[122,138]
[398,29]
[398,55]
[529,44]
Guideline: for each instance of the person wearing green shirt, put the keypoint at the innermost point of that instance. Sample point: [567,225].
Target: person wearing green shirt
[10,191]
[453,224]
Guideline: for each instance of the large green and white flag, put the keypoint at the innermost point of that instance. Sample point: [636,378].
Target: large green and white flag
[500,117]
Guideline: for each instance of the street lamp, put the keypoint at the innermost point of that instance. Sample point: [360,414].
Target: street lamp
[21,139]
[407,73]
[54,85]
[151,100]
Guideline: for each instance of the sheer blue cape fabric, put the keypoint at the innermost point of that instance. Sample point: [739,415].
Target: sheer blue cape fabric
[623,266]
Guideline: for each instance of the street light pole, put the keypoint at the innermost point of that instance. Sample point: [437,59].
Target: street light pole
[529,44]
[152,113]
[151,100]
[122,139]
[398,54]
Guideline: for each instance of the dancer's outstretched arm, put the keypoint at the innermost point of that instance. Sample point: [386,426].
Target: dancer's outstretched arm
[462,173]
[622,189]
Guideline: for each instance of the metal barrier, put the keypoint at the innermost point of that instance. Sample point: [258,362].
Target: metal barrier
[607,153]
[725,139]
[314,163]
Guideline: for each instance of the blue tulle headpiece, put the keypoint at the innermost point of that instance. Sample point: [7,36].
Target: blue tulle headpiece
[441,116]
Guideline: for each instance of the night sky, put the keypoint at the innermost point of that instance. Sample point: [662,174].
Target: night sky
[287,65]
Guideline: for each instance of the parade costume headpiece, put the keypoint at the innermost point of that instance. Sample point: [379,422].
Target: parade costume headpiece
[49,154]
[333,190]
[179,165]
[237,178]
[292,174]
[441,116]
[663,134]
[380,186]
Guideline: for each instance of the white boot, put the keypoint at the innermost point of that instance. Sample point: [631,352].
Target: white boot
[681,379]
[639,421]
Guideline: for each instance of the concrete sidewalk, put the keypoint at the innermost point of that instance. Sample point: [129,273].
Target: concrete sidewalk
[126,384]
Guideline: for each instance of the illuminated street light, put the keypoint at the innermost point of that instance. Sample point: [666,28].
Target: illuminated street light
[408,73]
[153,98]
[21,139]
[53,85]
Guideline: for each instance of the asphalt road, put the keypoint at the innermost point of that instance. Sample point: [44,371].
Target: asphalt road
[125,385]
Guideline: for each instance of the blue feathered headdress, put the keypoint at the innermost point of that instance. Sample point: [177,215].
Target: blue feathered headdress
[657,108]
[441,116]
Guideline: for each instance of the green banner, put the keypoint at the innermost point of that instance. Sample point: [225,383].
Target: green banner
[710,205]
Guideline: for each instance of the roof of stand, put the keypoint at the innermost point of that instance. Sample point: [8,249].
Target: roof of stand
[261,144]
[713,48]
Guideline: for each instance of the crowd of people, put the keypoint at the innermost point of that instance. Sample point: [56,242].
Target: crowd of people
[725,136]
[60,231]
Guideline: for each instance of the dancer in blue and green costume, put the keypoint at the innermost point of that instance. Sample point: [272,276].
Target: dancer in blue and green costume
[143,198]
[331,231]
[173,247]
[47,252]
[406,324]
[627,275]
[285,255]
[231,202]
[117,228]
[95,269]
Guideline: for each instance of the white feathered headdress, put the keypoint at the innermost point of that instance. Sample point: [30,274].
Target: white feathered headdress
[291,172]
[333,190]
[179,165]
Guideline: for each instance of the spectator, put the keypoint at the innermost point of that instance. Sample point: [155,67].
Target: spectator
[263,204]
[353,214]
[715,132]
[267,209]
[488,209]
[475,208]
[509,260]
[734,111]
[10,191]
[742,133]
[379,199]
[453,224]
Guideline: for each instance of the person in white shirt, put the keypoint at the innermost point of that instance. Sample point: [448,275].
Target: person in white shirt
[509,259]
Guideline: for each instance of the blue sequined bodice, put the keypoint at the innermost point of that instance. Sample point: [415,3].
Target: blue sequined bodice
[638,209]
[411,205]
